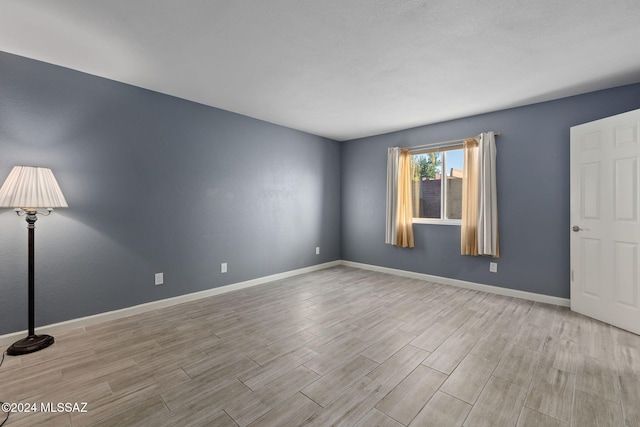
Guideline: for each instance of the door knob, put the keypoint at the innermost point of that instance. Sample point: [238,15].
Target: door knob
[576,228]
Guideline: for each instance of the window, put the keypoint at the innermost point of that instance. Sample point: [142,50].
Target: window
[436,199]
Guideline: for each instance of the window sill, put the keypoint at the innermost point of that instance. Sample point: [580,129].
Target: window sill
[437,221]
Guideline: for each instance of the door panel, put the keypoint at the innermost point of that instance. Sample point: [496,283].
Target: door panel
[626,196]
[590,191]
[626,273]
[590,250]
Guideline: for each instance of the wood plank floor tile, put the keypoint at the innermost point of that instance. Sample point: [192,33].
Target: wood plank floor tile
[205,397]
[435,335]
[109,406]
[197,418]
[407,399]
[96,370]
[457,317]
[75,392]
[564,325]
[292,412]
[246,410]
[627,358]
[469,378]
[336,382]
[442,410]
[330,331]
[540,313]
[421,322]
[531,336]
[384,349]
[294,381]
[518,307]
[592,411]
[499,405]
[491,347]
[333,358]
[37,419]
[560,354]
[262,375]
[625,338]
[390,373]
[186,339]
[282,346]
[215,369]
[139,378]
[531,418]
[225,349]
[371,312]
[594,376]
[381,330]
[62,358]
[506,325]
[32,383]
[170,358]
[150,412]
[598,344]
[518,365]
[630,394]
[450,353]
[349,341]
[376,418]
[354,404]
[551,393]
[480,322]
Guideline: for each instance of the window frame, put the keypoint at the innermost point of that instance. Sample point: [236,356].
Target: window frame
[439,148]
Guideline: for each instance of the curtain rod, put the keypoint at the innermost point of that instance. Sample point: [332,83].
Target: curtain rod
[431,144]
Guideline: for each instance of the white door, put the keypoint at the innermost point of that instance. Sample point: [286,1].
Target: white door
[605,230]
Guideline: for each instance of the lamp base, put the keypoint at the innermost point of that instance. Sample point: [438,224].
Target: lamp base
[30,344]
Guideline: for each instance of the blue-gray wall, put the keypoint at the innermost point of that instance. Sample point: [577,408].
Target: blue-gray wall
[154,184]
[533,195]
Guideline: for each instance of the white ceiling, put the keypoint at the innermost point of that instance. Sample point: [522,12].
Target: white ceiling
[339,68]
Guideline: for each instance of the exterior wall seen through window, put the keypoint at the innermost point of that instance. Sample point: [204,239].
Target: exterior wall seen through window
[435,198]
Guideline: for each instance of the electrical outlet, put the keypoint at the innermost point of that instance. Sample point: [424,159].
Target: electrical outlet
[493,267]
[159,278]
[223,267]
[317,250]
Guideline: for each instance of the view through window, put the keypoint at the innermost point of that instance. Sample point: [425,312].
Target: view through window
[437,184]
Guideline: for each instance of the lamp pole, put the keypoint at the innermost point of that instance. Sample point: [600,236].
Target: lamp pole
[32,342]
[31,219]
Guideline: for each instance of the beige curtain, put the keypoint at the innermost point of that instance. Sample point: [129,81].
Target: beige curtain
[391,223]
[469,230]
[479,231]
[405,212]
[487,196]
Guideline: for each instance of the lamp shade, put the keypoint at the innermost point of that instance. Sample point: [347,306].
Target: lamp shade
[31,187]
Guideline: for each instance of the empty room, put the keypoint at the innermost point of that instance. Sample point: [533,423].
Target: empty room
[320,213]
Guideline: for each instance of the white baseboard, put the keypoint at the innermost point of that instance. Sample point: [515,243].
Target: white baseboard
[563,302]
[154,305]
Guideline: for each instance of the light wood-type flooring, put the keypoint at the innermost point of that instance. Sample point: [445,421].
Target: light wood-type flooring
[340,346]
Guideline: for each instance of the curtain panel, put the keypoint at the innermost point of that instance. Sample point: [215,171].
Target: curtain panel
[405,201]
[399,205]
[488,197]
[391,231]
[469,228]
[479,231]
